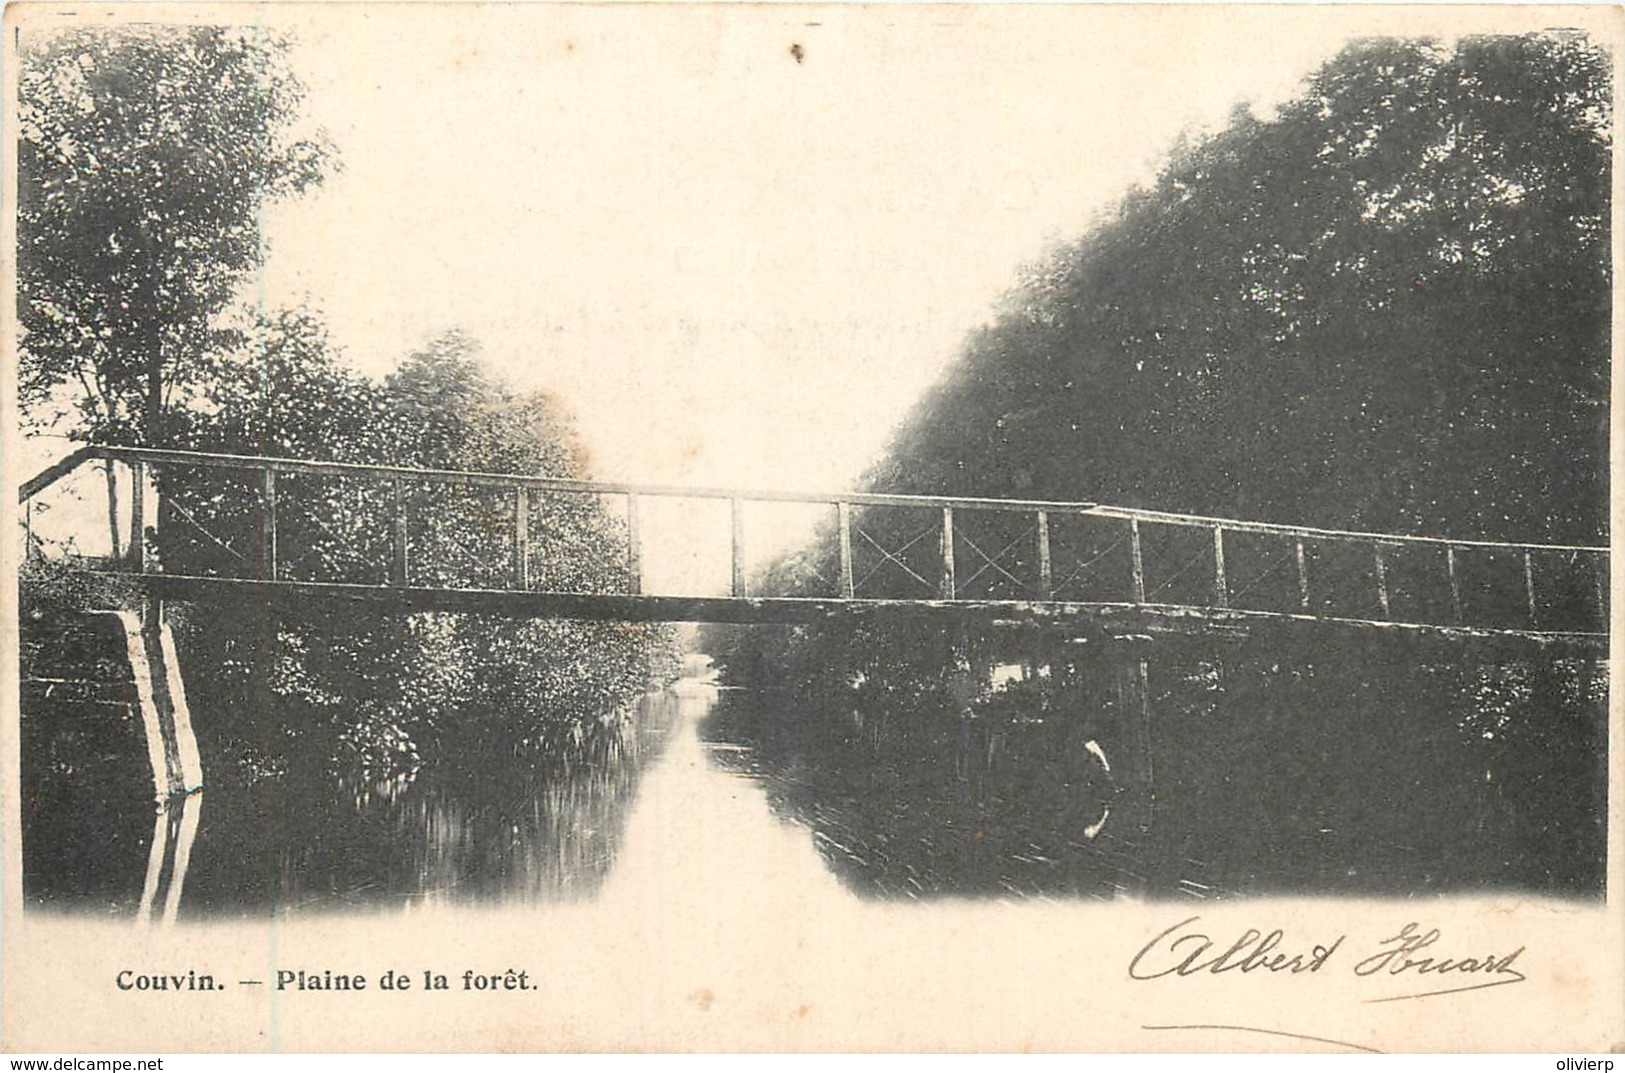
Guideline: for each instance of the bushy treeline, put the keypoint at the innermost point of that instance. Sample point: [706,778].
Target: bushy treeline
[1386,307]
[147,154]
[387,686]
[346,681]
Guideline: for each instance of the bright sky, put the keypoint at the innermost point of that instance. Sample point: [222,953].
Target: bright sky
[733,268]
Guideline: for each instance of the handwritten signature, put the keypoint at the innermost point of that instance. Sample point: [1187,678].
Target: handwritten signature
[1184,950]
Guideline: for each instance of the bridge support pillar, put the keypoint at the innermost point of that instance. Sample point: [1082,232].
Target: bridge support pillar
[166,717]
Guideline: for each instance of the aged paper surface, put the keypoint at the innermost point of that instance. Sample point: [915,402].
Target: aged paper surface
[658,215]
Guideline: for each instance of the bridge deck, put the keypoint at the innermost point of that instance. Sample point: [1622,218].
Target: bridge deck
[1104,619]
[403,539]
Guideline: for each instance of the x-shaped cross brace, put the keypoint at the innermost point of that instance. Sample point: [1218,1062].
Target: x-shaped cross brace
[991,561]
[888,556]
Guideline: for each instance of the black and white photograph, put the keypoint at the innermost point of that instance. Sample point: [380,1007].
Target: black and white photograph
[776,527]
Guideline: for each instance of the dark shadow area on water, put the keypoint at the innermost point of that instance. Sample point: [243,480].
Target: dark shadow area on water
[496,830]
[1219,770]
[919,804]
[1288,770]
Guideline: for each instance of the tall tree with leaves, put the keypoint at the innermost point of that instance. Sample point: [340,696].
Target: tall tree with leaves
[1385,307]
[473,680]
[145,157]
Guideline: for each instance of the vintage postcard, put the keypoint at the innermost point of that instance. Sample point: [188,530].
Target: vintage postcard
[790,527]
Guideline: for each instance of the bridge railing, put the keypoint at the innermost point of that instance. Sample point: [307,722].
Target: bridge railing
[286,519]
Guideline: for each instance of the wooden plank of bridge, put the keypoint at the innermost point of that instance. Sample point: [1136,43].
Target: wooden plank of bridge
[1529,585]
[1046,569]
[138,515]
[1602,577]
[1382,580]
[1114,619]
[843,513]
[1134,708]
[1136,560]
[1303,577]
[1455,584]
[948,587]
[55,472]
[471,479]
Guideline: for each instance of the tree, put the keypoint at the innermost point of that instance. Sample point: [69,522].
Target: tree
[385,689]
[145,157]
[1387,307]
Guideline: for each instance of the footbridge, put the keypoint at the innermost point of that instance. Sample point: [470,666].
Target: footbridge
[225,526]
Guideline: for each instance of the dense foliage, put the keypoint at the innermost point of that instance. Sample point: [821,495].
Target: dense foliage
[394,689]
[1385,308]
[146,156]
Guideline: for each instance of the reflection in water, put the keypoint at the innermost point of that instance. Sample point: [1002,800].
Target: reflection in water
[1264,776]
[502,831]
[916,805]
[180,816]
[1260,788]
[87,811]
[703,845]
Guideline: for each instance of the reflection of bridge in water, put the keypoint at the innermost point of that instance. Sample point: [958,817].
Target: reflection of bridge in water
[1085,591]
[407,539]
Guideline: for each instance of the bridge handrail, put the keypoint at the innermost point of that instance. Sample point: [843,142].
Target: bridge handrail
[55,472]
[261,463]
[1238,525]
[558,484]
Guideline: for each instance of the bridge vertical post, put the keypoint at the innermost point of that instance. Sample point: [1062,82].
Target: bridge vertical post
[736,509]
[1382,580]
[397,560]
[634,547]
[1303,576]
[268,549]
[110,476]
[153,558]
[521,537]
[1046,568]
[948,587]
[1221,591]
[1455,584]
[1529,586]
[1129,668]
[1136,560]
[1603,577]
[843,514]
[138,515]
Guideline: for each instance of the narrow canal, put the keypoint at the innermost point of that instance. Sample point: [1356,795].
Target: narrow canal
[654,800]
[710,796]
